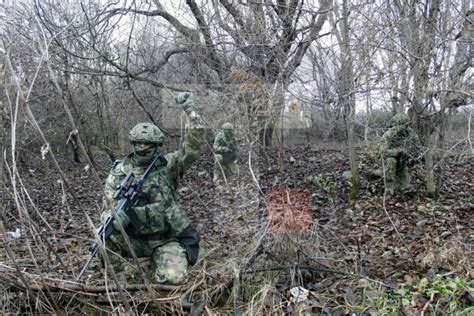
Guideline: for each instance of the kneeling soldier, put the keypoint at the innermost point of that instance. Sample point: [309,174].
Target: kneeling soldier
[167,236]
[400,150]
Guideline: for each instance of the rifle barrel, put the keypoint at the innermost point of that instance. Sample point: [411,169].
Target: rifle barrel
[84,268]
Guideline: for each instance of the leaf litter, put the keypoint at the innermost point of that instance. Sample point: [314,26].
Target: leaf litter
[258,241]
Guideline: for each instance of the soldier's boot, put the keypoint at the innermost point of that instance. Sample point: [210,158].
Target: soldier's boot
[403,180]
[390,188]
[217,178]
[132,274]
[171,264]
[117,251]
[390,167]
[118,263]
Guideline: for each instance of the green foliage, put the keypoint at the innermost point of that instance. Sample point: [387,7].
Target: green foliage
[325,183]
[259,295]
[432,207]
[381,301]
[441,296]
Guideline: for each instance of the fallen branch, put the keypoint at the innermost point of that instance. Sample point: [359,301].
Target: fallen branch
[12,278]
[97,289]
[427,304]
[312,268]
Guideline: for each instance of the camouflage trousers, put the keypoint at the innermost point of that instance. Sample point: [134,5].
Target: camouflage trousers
[231,169]
[160,262]
[397,176]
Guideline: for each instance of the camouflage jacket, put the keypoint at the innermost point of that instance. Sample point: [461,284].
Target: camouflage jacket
[225,146]
[160,210]
[400,141]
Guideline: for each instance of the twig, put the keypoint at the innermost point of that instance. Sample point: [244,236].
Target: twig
[427,304]
[313,268]
[469,131]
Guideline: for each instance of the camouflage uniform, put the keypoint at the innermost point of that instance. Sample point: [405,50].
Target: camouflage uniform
[168,237]
[400,149]
[225,153]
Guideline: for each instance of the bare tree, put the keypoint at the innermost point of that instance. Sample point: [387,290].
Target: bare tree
[431,41]
[347,96]
[268,39]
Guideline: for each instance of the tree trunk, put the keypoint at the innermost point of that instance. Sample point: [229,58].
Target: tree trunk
[348,100]
[368,113]
[430,158]
[73,143]
[70,100]
[108,130]
[4,123]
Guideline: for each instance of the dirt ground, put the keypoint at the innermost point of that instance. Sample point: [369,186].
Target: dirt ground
[296,228]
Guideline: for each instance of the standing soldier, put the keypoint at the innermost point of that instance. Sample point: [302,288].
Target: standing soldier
[168,237]
[400,150]
[225,154]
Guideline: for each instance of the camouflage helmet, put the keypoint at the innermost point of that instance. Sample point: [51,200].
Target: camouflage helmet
[146,133]
[399,119]
[227,126]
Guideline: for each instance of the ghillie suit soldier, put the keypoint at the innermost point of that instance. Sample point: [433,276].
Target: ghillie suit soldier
[167,236]
[251,93]
[226,154]
[400,149]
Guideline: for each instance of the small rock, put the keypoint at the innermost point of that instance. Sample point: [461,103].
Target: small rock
[445,234]
[422,208]
[299,294]
[15,235]
[184,190]
[362,283]
[422,222]
[347,176]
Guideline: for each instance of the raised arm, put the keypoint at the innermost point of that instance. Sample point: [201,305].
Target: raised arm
[194,139]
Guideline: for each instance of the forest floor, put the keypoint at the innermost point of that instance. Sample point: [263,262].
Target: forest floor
[295,231]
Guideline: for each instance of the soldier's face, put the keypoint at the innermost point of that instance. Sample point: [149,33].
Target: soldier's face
[144,146]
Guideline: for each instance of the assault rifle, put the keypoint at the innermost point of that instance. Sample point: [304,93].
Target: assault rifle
[128,194]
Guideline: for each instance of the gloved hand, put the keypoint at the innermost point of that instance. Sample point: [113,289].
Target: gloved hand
[122,218]
[394,152]
[185,101]
[105,216]
[403,154]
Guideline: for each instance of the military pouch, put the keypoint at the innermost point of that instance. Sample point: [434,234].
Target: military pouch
[154,221]
[189,239]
